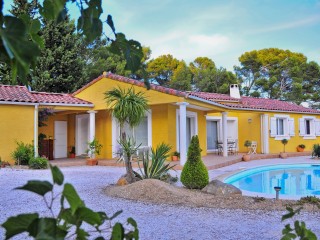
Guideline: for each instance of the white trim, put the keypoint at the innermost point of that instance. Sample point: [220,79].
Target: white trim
[86,115]
[312,122]
[286,129]
[149,116]
[18,103]
[194,131]
[36,130]
[66,105]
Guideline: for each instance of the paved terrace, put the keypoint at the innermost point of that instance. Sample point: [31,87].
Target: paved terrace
[212,161]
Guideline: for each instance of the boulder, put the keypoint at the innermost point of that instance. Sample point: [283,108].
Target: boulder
[219,188]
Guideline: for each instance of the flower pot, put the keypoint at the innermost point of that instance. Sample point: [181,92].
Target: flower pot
[283,155]
[299,149]
[92,162]
[246,157]
[175,158]
[72,155]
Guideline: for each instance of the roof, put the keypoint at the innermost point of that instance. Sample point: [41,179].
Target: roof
[263,104]
[133,82]
[20,94]
[224,100]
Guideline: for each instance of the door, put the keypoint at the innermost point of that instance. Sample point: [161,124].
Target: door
[60,139]
[82,134]
[212,135]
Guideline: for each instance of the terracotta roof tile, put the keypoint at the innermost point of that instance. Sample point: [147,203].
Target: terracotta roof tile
[61,98]
[10,93]
[213,96]
[133,82]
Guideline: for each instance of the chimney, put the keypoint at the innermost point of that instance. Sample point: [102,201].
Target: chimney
[234,91]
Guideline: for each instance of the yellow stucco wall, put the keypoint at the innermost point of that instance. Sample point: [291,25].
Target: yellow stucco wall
[16,125]
[95,93]
[252,131]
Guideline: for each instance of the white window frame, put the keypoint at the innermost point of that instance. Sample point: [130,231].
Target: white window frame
[194,125]
[288,127]
[116,133]
[314,127]
[219,126]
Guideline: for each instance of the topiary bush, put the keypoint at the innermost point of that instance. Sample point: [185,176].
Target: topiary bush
[23,153]
[38,163]
[194,174]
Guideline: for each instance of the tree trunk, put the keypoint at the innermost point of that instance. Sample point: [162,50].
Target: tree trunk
[127,161]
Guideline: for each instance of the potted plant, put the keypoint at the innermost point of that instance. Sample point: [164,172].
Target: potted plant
[94,148]
[72,153]
[284,154]
[247,157]
[301,147]
[175,156]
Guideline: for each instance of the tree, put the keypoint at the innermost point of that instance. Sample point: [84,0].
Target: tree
[273,73]
[60,66]
[161,69]
[20,7]
[181,79]
[20,43]
[194,174]
[207,78]
[127,106]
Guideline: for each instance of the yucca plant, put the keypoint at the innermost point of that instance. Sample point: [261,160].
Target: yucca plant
[153,165]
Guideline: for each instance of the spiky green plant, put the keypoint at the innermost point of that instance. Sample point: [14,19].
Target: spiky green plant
[155,167]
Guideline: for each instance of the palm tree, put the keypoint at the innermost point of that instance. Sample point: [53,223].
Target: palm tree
[130,107]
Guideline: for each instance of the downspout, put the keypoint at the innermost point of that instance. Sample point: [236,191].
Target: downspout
[35,131]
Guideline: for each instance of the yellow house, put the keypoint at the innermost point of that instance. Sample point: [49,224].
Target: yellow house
[174,117]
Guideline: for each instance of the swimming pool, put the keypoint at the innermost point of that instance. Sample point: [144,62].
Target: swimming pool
[295,180]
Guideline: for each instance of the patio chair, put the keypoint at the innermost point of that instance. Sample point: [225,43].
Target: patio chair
[253,148]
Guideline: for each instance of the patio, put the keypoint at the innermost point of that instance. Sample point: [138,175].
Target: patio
[212,161]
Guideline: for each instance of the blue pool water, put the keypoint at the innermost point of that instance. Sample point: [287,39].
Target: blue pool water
[294,180]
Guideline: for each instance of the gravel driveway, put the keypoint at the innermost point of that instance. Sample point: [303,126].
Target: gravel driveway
[154,221]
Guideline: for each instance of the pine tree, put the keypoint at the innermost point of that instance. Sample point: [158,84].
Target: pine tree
[60,67]
[20,7]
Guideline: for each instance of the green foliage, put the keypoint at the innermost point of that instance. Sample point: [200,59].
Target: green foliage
[284,142]
[299,231]
[316,150]
[247,143]
[23,153]
[194,174]
[155,167]
[302,146]
[38,163]
[312,200]
[22,43]
[127,105]
[94,148]
[181,79]
[71,219]
[175,153]
[208,78]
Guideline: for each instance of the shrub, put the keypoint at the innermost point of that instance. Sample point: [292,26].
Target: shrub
[316,150]
[284,142]
[302,146]
[156,167]
[38,163]
[23,153]
[194,174]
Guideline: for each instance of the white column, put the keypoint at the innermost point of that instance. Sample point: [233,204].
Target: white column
[224,134]
[265,133]
[92,125]
[182,132]
[36,131]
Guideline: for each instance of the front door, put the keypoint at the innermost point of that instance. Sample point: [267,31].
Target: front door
[82,134]
[60,139]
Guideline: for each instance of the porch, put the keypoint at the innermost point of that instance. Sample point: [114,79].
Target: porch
[212,161]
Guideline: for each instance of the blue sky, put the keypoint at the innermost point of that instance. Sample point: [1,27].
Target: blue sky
[220,30]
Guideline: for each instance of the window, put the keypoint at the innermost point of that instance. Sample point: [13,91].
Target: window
[138,133]
[281,126]
[309,127]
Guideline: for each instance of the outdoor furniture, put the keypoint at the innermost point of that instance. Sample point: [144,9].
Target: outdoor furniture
[231,146]
[253,148]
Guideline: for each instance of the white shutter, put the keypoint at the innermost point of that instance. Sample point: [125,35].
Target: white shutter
[273,127]
[312,127]
[317,127]
[302,127]
[291,127]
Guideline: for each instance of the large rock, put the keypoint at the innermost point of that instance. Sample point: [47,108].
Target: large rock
[219,188]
